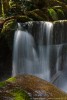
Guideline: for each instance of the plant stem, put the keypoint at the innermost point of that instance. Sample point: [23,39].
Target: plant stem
[3,13]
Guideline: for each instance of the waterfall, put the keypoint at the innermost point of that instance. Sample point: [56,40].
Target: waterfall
[38,51]
[26,58]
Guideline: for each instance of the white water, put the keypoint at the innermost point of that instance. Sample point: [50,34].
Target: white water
[31,55]
[25,58]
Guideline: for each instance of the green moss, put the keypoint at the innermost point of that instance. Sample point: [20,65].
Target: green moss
[12,4]
[12,79]
[60,12]
[14,92]
[9,25]
[2,84]
[19,94]
[52,14]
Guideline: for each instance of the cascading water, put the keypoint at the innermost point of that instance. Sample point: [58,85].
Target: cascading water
[35,53]
[26,59]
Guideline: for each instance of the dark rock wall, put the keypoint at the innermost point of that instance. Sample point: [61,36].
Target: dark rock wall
[5,59]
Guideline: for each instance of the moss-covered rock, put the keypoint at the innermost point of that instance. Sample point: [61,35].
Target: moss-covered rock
[26,87]
[13,94]
[19,94]
[6,45]
[2,84]
[12,79]
[8,30]
[9,25]
[10,92]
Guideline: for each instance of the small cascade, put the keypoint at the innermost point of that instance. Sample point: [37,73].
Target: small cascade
[24,53]
[26,58]
[59,48]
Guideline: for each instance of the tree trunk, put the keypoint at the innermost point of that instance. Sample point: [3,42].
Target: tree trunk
[2,7]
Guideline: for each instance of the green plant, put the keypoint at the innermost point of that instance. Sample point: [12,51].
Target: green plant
[19,94]
[60,14]
[2,5]
[53,14]
[2,84]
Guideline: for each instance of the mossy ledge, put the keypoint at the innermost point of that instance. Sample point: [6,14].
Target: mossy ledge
[10,92]
[25,87]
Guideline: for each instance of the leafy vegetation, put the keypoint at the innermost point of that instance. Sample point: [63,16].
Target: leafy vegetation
[19,94]
[53,14]
[2,84]
[11,92]
[21,7]
[12,79]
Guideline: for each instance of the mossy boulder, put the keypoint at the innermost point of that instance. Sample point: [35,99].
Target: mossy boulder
[2,84]
[26,87]
[13,94]
[10,92]
[10,24]
[8,30]
[12,79]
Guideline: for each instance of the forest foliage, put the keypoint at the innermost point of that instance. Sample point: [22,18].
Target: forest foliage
[51,9]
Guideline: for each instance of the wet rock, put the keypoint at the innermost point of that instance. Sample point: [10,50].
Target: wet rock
[59,32]
[35,87]
[8,30]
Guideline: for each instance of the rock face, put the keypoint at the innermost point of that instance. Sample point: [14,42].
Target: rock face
[7,33]
[36,88]
[59,32]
